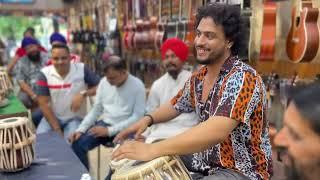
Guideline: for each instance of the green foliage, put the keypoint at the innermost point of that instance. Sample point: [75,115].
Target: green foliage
[14,26]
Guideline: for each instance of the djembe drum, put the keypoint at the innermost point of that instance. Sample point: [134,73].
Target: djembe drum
[167,167]
[16,144]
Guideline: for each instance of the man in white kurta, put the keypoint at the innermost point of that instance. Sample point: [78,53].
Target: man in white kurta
[174,53]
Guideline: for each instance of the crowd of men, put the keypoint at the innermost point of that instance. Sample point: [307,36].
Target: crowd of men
[214,118]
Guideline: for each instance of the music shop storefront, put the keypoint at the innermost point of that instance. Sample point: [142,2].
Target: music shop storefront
[135,30]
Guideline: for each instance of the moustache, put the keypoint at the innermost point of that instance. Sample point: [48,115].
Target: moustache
[201,46]
[170,65]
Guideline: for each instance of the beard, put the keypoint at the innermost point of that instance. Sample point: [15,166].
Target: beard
[301,172]
[173,74]
[34,57]
[172,70]
[212,58]
[292,171]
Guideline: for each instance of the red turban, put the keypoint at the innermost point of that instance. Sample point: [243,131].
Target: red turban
[177,46]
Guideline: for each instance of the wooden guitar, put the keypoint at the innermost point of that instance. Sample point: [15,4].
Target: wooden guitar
[160,35]
[268,36]
[153,30]
[190,35]
[303,38]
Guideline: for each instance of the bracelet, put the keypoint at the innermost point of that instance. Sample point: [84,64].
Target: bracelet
[151,118]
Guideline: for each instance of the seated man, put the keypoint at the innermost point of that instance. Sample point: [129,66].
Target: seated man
[174,53]
[228,96]
[120,101]
[21,52]
[61,89]
[300,136]
[28,68]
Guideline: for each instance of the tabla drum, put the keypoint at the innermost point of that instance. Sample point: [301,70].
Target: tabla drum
[5,83]
[162,168]
[115,165]
[17,143]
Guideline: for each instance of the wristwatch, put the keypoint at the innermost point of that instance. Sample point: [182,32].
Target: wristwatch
[83,92]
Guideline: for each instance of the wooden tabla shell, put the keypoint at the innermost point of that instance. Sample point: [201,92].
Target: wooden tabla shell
[17,143]
[5,84]
[167,167]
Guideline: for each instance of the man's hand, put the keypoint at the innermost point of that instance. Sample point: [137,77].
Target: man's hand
[98,131]
[135,150]
[76,102]
[74,137]
[137,128]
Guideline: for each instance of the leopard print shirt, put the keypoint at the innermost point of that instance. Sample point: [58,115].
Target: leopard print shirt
[239,94]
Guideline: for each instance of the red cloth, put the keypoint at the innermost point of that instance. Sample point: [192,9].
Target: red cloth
[20,52]
[177,46]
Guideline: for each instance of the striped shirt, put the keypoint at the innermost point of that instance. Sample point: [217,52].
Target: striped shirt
[239,94]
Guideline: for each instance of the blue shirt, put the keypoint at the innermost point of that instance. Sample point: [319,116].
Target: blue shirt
[117,106]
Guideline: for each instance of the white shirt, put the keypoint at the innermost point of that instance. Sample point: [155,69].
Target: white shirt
[62,90]
[162,90]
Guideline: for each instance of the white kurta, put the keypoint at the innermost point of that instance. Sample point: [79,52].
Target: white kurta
[162,90]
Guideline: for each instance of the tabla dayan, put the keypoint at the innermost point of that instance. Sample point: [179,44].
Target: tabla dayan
[5,85]
[166,167]
[16,144]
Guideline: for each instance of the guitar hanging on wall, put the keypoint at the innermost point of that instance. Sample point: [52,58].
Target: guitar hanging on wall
[268,35]
[303,38]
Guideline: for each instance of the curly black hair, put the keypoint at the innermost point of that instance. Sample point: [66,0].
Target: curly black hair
[229,17]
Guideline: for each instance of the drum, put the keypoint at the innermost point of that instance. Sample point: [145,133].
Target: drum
[5,84]
[17,143]
[162,168]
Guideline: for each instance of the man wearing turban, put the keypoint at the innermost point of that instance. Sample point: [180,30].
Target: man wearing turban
[21,52]
[57,38]
[174,53]
[28,69]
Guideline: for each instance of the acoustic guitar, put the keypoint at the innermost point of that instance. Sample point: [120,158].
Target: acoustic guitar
[153,30]
[268,35]
[303,38]
[190,35]
[160,35]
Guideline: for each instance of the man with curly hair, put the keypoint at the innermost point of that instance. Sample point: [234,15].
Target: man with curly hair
[231,141]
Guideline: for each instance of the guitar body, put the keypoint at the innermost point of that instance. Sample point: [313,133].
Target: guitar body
[138,39]
[125,37]
[145,34]
[160,36]
[268,36]
[153,31]
[128,36]
[303,38]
